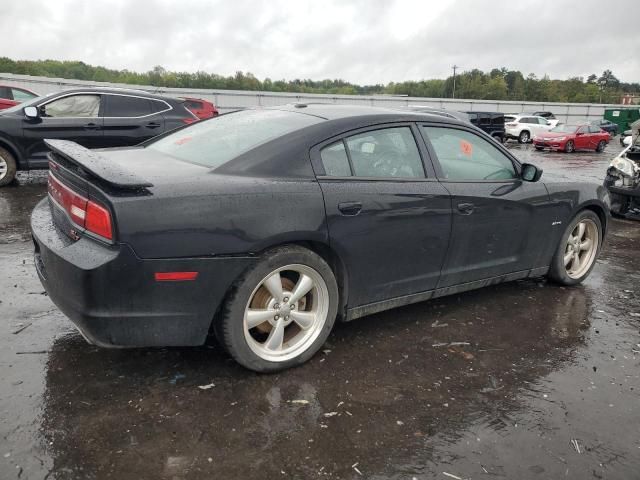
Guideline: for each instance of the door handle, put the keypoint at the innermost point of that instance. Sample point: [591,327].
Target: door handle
[153,125]
[350,209]
[92,126]
[466,208]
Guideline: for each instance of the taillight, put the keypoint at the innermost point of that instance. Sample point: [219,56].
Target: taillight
[83,212]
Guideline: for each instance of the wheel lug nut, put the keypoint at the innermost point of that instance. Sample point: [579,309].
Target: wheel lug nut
[286,299]
[277,317]
[276,306]
[292,306]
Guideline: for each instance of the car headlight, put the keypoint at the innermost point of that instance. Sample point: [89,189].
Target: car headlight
[624,166]
[559,139]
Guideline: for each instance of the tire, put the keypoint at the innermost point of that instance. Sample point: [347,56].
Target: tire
[570,273]
[249,345]
[524,137]
[569,147]
[8,167]
[600,146]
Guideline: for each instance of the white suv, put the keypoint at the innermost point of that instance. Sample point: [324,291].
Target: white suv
[524,127]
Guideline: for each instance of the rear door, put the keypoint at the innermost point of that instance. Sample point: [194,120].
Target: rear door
[130,120]
[499,224]
[388,217]
[76,117]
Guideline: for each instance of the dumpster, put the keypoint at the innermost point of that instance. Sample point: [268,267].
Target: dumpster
[624,117]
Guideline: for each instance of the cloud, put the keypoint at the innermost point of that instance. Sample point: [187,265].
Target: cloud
[363,41]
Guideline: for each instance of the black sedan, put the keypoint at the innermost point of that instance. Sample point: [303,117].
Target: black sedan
[264,226]
[92,117]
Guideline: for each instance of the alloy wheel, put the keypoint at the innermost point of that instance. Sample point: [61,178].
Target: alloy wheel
[569,148]
[582,246]
[3,168]
[286,313]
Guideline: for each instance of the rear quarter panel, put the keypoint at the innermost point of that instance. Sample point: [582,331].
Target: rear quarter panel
[221,215]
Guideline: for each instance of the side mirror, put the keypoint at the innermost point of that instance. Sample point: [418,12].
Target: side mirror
[531,173]
[31,112]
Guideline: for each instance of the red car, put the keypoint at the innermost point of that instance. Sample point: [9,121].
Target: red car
[201,108]
[570,138]
[11,96]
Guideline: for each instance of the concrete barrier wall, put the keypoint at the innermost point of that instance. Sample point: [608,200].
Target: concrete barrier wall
[227,100]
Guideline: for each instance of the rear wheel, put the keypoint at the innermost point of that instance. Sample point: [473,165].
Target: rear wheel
[569,147]
[281,311]
[578,249]
[7,167]
[601,145]
[524,137]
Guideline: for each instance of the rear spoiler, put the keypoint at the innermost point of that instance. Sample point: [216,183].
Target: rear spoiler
[96,164]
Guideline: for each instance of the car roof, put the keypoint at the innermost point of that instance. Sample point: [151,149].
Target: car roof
[328,111]
[112,90]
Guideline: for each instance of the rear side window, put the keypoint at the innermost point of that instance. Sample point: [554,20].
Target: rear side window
[385,153]
[465,156]
[73,106]
[193,104]
[126,106]
[217,141]
[21,95]
[594,129]
[5,93]
[335,160]
[158,106]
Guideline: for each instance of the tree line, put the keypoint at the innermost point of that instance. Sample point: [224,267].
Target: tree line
[498,84]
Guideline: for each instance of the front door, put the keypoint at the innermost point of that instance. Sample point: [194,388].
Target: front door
[388,218]
[583,138]
[74,117]
[498,219]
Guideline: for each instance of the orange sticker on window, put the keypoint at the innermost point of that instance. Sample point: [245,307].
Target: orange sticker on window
[466,147]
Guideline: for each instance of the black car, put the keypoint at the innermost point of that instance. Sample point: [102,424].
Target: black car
[264,226]
[91,117]
[543,114]
[490,122]
[607,126]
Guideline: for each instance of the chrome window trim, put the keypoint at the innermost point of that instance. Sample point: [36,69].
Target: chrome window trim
[169,107]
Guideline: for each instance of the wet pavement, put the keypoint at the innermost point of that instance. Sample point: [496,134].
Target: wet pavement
[525,380]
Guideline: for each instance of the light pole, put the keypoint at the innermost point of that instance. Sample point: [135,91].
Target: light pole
[455,67]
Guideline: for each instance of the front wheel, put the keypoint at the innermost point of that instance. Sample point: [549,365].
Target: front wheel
[569,147]
[8,167]
[578,249]
[280,312]
[600,146]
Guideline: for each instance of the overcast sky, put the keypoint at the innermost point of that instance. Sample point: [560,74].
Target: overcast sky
[362,41]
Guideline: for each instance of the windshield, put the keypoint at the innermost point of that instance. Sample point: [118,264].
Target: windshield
[20,106]
[565,129]
[216,141]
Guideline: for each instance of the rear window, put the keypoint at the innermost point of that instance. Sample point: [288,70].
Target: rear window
[215,142]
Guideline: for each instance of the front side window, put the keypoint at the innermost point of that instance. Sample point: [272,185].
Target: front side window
[335,160]
[21,95]
[126,106]
[72,106]
[465,156]
[217,141]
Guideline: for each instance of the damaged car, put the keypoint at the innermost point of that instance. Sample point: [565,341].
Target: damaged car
[623,181]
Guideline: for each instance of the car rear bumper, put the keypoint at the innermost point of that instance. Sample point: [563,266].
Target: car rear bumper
[112,296]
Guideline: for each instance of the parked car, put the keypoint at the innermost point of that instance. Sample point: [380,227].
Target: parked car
[264,226]
[548,116]
[91,117]
[609,127]
[490,122]
[524,127]
[11,96]
[623,182]
[202,109]
[570,138]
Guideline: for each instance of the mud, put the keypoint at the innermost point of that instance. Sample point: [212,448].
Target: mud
[521,381]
